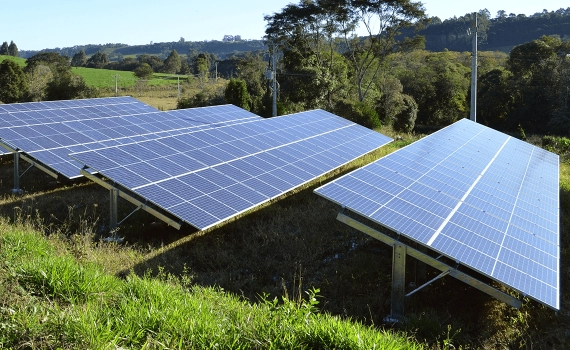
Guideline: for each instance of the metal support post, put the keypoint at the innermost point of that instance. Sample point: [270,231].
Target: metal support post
[16,189]
[398,281]
[113,204]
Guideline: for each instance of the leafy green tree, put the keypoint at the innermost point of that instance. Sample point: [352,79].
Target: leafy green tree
[13,49]
[154,61]
[438,82]
[98,60]
[79,59]
[144,71]
[202,67]
[251,68]
[236,93]
[54,61]
[4,48]
[539,82]
[67,86]
[38,76]
[13,82]
[495,98]
[396,108]
[172,63]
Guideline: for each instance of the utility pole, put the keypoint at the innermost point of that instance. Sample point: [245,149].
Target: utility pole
[116,85]
[473,111]
[179,88]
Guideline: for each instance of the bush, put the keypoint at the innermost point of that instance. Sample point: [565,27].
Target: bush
[359,113]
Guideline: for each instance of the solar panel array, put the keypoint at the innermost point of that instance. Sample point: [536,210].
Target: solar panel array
[49,131]
[480,197]
[208,176]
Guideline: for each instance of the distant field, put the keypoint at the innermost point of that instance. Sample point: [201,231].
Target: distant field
[105,78]
[20,61]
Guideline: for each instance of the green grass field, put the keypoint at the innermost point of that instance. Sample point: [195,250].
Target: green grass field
[105,78]
[20,61]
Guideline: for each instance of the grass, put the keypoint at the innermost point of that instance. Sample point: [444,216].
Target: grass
[50,300]
[21,61]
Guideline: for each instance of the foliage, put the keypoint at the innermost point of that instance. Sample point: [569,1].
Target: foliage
[201,99]
[358,112]
[558,145]
[79,59]
[172,64]
[67,86]
[13,49]
[438,82]
[236,93]
[395,108]
[251,68]
[13,83]
[47,292]
[4,49]
[98,60]
[144,71]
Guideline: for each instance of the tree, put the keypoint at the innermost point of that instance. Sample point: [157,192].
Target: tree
[98,60]
[13,49]
[172,63]
[79,59]
[236,93]
[154,61]
[4,48]
[67,86]
[144,71]
[202,66]
[13,83]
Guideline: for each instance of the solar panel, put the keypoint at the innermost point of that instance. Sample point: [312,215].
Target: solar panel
[90,126]
[480,197]
[208,176]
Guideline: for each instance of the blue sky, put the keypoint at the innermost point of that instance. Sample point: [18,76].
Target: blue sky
[35,25]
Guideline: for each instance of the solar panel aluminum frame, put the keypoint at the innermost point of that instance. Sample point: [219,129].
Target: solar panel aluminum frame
[116,192]
[398,270]
[414,176]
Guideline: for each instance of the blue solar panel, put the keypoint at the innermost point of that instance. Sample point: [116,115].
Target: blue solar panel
[101,123]
[221,172]
[478,196]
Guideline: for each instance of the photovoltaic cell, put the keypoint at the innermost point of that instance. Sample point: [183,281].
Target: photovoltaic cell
[478,196]
[224,171]
[38,129]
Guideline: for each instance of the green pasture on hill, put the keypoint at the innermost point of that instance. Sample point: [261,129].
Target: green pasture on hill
[18,60]
[105,78]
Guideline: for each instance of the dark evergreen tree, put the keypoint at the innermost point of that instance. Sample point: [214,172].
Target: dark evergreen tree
[13,49]
[172,63]
[79,59]
[236,93]
[13,83]
[4,48]
[98,60]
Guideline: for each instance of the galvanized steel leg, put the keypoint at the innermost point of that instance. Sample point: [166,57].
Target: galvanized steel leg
[398,281]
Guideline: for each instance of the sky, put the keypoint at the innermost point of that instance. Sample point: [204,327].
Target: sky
[36,25]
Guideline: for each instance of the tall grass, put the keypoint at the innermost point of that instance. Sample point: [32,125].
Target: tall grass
[49,300]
